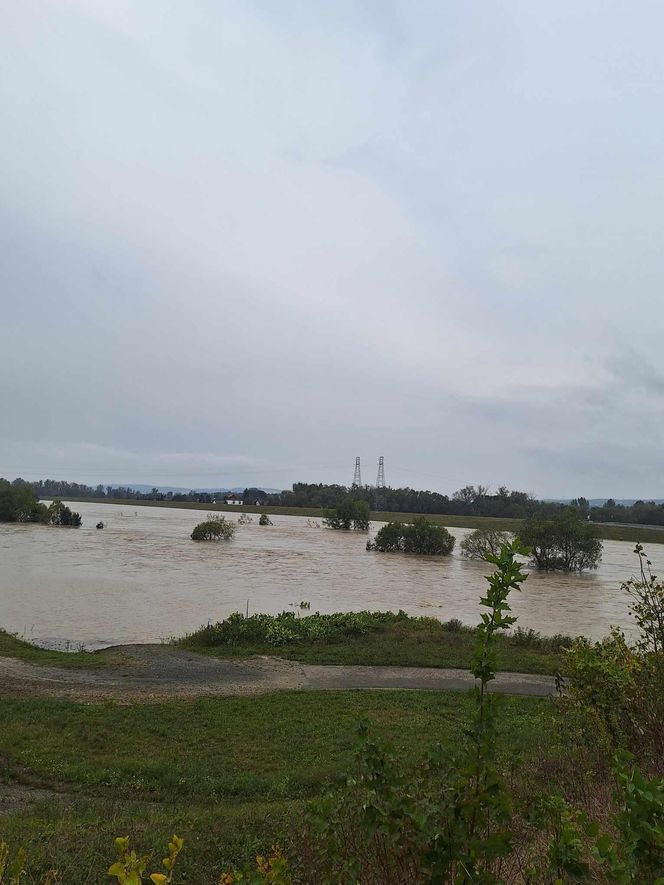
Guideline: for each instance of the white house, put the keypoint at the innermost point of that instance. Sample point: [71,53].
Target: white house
[234,499]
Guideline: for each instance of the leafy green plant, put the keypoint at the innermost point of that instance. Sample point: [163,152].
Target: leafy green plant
[214,528]
[620,684]
[130,867]
[270,870]
[447,820]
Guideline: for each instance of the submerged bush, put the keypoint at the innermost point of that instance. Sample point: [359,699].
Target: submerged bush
[562,541]
[351,513]
[214,528]
[59,514]
[264,519]
[422,536]
[481,542]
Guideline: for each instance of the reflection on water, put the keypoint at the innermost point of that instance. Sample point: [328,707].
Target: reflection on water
[141,579]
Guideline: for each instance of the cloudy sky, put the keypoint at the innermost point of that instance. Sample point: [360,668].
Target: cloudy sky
[244,242]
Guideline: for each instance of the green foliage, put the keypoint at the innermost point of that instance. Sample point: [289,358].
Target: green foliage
[421,536]
[287,627]
[620,685]
[59,514]
[18,503]
[130,867]
[11,870]
[214,528]
[350,513]
[270,870]
[481,542]
[264,519]
[445,821]
[562,541]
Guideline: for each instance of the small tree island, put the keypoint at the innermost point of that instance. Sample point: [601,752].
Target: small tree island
[422,537]
[214,528]
[351,513]
[562,541]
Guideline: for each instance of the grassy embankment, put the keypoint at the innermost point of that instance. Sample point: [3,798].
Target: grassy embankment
[607,532]
[230,775]
[401,640]
[13,647]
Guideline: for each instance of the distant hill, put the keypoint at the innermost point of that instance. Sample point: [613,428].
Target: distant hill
[600,502]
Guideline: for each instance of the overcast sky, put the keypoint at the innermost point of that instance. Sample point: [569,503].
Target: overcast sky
[244,242]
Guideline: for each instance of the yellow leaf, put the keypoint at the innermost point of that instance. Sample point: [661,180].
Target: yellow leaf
[158,878]
[117,870]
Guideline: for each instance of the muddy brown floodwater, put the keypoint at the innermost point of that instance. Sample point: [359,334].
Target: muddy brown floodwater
[142,579]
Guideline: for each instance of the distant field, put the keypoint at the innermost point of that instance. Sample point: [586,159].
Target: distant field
[643,534]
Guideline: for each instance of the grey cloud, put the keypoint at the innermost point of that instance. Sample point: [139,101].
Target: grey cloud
[259,239]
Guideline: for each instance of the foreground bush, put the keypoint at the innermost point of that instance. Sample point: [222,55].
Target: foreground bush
[621,685]
[422,536]
[562,541]
[215,528]
[483,542]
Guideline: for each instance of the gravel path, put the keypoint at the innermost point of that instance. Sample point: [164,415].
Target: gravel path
[162,672]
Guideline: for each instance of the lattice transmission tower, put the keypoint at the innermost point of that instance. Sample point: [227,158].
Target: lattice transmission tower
[357,478]
[379,495]
[380,481]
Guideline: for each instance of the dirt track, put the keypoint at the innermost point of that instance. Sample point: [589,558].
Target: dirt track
[160,672]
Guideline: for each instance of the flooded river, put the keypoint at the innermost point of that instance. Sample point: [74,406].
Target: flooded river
[142,579]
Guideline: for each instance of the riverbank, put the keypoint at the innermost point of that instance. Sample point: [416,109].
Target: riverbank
[409,643]
[605,531]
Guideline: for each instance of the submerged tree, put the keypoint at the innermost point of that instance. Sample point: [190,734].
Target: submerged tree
[562,541]
[351,513]
[421,536]
[59,514]
[484,542]
[214,528]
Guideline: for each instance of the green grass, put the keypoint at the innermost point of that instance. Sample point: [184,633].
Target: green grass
[416,642]
[605,531]
[13,647]
[230,775]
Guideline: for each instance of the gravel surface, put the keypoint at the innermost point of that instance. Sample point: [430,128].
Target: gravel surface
[160,672]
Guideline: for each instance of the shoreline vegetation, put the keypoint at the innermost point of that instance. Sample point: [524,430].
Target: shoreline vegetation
[361,638]
[605,531]
[372,639]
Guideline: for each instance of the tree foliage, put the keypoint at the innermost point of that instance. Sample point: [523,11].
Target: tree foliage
[562,541]
[483,542]
[351,513]
[214,528]
[421,536]
[18,503]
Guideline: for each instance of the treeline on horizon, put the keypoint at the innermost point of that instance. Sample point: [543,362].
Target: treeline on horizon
[468,501]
